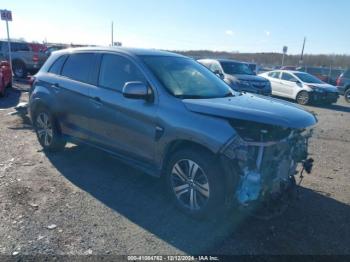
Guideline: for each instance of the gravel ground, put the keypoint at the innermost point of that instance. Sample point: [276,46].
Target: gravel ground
[83,201]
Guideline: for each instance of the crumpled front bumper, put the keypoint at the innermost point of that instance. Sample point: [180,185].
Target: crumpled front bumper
[262,171]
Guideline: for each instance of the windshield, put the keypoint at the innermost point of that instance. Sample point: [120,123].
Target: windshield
[185,78]
[309,79]
[233,68]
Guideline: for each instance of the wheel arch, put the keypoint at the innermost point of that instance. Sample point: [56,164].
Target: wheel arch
[182,144]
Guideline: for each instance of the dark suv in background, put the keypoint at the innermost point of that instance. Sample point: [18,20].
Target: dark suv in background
[238,75]
[320,72]
[343,85]
[171,117]
[25,57]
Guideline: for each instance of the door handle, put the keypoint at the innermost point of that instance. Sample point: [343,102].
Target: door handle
[97,101]
[56,87]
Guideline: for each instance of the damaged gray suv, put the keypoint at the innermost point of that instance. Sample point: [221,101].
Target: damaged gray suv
[171,117]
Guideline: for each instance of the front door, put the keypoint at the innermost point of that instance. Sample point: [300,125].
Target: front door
[126,126]
[288,84]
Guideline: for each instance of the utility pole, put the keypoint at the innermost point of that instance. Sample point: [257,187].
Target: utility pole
[302,52]
[112,35]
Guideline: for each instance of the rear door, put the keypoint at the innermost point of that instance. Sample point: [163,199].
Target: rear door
[72,92]
[274,78]
[288,84]
[125,126]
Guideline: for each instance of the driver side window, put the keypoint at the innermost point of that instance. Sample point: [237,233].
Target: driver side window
[116,70]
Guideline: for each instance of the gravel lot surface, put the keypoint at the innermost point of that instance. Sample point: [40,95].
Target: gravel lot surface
[83,201]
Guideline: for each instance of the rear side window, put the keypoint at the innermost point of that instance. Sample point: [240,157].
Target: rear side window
[77,67]
[274,74]
[15,47]
[115,71]
[56,67]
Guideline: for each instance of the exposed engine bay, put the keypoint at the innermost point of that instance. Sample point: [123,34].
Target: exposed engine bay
[266,158]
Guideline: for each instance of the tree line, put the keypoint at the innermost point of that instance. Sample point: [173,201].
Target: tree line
[275,59]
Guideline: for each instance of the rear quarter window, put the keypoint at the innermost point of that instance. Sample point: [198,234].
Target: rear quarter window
[56,66]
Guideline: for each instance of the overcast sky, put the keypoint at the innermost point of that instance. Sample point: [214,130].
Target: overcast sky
[229,25]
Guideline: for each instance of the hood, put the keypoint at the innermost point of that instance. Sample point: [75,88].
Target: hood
[326,87]
[248,77]
[254,108]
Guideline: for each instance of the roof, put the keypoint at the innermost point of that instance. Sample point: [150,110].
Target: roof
[124,50]
[223,60]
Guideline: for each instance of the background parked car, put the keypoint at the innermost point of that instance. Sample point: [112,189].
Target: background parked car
[24,59]
[5,77]
[293,68]
[53,48]
[301,86]
[333,75]
[321,73]
[343,85]
[238,75]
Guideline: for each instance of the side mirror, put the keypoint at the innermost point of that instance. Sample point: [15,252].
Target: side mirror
[136,90]
[296,81]
[4,63]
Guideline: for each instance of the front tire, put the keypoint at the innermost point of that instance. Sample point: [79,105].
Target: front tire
[347,95]
[303,98]
[47,131]
[195,183]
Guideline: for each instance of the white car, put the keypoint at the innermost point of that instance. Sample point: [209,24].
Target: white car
[300,86]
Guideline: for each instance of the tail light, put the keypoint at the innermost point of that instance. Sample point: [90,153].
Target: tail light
[338,82]
[35,58]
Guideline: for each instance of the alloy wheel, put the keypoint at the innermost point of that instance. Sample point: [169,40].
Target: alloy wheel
[303,98]
[190,184]
[44,129]
[347,96]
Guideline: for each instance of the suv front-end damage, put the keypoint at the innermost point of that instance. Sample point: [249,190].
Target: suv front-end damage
[262,162]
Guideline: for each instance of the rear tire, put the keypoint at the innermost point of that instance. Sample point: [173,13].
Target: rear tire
[19,69]
[195,183]
[347,95]
[303,98]
[47,131]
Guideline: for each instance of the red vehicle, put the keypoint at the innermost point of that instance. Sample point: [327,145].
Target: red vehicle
[5,77]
